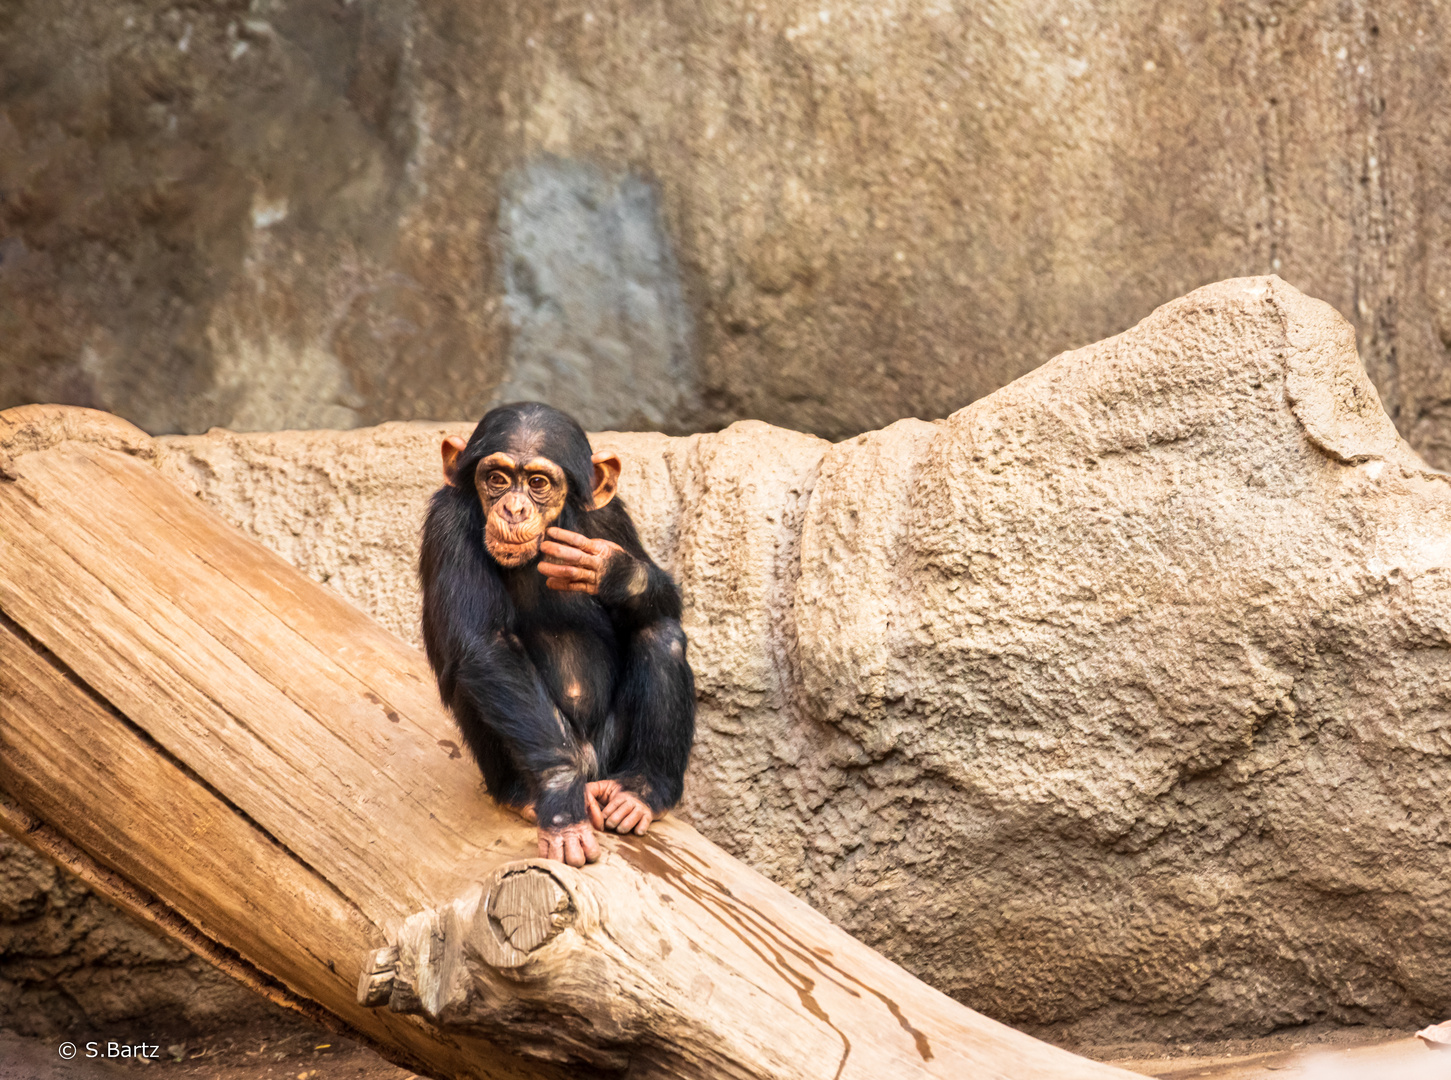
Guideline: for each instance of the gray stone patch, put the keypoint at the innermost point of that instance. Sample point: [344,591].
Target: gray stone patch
[600,324]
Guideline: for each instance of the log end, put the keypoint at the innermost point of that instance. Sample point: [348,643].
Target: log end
[524,906]
[503,921]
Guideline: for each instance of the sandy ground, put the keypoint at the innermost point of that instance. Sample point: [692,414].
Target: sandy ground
[251,1053]
[261,1053]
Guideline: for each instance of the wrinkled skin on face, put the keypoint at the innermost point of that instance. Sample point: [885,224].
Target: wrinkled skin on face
[521,499]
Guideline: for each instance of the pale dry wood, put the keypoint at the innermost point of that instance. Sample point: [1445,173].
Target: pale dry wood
[236,741]
[22,824]
[375,982]
[1437,1036]
[142,830]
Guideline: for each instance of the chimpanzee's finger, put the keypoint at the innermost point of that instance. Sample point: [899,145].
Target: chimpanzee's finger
[571,586]
[587,564]
[573,573]
[618,807]
[631,819]
[626,808]
[590,845]
[596,815]
[574,539]
[584,574]
[565,554]
[644,826]
[603,790]
[618,797]
[573,854]
[598,549]
[569,577]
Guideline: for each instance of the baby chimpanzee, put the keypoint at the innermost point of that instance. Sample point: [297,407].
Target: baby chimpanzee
[556,640]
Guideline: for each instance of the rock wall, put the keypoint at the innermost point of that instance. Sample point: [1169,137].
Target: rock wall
[826,215]
[1115,705]
[72,963]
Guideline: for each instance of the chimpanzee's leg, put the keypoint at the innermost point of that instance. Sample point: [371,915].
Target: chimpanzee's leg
[654,715]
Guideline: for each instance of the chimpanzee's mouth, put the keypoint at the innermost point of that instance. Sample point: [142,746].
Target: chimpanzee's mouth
[512,554]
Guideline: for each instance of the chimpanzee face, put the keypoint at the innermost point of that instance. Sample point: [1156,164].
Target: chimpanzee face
[529,455]
[521,498]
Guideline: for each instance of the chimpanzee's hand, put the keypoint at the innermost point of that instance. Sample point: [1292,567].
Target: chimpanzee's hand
[621,810]
[574,844]
[575,563]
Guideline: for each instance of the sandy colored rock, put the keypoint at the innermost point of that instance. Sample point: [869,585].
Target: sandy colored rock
[1155,649]
[1113,705]
[825,215]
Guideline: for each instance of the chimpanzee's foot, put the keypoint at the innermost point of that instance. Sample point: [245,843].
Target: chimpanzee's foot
[621,810]
[574,844]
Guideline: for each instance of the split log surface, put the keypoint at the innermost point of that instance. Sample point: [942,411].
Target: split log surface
[236,754]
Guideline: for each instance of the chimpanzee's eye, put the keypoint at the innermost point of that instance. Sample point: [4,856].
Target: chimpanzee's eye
[538,483]
[498,480]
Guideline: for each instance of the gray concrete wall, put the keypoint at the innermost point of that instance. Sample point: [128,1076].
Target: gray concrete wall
[826,215]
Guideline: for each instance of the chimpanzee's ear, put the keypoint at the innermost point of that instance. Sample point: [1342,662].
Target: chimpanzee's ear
[453,446]
[607,477]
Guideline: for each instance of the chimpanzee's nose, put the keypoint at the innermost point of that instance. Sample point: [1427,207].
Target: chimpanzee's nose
[515,508]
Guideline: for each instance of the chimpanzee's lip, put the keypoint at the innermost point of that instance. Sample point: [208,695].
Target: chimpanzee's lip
[512,554]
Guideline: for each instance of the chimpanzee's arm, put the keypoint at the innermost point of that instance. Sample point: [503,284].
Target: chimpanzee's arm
[498,692]
[655,699]
[611,564]
[655,706]
[637,593]
[656,702]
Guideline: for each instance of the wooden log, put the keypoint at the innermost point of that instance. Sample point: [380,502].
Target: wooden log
[237,754]
[1437,1036]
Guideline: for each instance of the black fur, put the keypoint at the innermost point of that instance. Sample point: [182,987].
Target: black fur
[507,649]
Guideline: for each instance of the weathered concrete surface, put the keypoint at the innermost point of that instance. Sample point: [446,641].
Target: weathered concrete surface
[601,327]
[1115,705]
[301,214]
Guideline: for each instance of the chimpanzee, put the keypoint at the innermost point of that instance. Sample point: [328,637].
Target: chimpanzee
[555,639]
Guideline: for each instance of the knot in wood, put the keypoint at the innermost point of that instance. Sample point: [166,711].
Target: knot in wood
[524,909]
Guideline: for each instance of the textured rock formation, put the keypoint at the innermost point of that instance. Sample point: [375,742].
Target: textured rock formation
[1151,669]
[70,962]
[313,214]
[1115,704]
